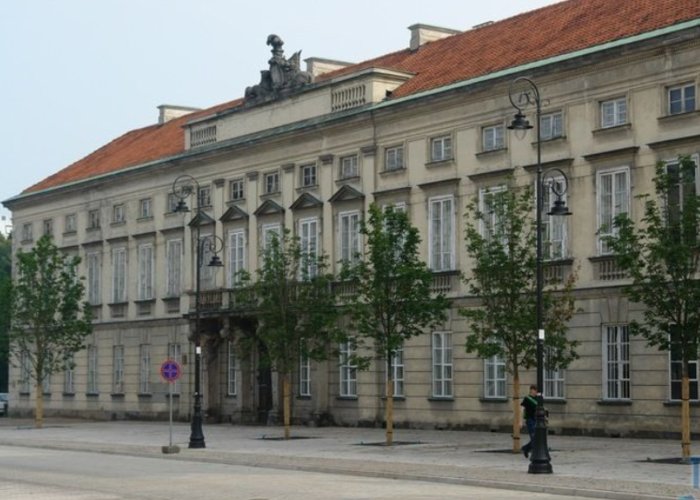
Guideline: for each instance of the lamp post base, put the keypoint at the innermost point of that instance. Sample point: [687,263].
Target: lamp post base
[540,461]
[196,434]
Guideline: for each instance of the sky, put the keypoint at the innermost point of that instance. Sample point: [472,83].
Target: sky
[76,74]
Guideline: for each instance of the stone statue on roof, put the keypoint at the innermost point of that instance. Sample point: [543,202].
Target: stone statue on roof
[283,77]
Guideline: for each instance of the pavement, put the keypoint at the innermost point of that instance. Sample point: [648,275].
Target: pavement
[614,468]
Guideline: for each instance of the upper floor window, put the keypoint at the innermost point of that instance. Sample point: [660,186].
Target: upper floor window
[69,223]
[172,202]
[145,208]
[551,126]
[118,213]
[272,182]
[235,190]
[683,184]
[554,226]
[393,158]
[441,148]
[173,277]
[94,268]
[146,272]
[308,245]
[308,175]
[236,255]
[681,99]
[491,201]
[119,271]
[348,167]
[492,138]
[204,196]
[613,112]
[349,229]
[271,232]
[613,190]
[441,234]
[94,219]
[47,227]
[27,231]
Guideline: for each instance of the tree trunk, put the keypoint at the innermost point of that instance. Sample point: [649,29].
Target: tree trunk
[685,413]
[39,410]
[389,409]
[286,405]
[516,410]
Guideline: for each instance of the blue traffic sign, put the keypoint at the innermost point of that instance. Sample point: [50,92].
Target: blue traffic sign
[170,370]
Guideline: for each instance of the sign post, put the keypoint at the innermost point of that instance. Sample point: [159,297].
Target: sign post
[170,370]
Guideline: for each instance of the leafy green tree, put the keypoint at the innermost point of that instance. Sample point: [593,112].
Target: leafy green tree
[660,255]
[501,241]
[5,290]
[295,309]
[50,320]
[393,300]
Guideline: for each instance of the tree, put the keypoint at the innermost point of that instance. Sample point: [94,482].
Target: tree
[5,291]
[295,309]
[50,320]
[393,300]
[661,255]
[501,241]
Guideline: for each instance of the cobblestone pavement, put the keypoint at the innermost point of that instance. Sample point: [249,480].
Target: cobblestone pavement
[617,468]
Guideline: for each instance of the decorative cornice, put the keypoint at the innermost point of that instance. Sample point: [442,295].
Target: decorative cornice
[326,159]
[560,163]
[234,212]
[252,175]
[288,167]
[677,141]
[306,200]
[268,207]
[368,150]
[219,182]
[346,193]
[201,219]
[489,174]
[429,184]
[390,191]
[629,151]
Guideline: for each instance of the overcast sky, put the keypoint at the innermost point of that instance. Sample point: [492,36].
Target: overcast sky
[78,73]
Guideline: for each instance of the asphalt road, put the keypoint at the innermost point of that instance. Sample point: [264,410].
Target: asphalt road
[33,473]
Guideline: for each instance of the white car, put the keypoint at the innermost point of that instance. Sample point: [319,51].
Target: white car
[4,403]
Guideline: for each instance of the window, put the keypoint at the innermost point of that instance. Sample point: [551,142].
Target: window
[553,382]
[349,227]
[616,362]
[235,190]
[25,373]
[145,208]
[118,214]
[236,256]
[684,184]
[551,126]
[272,183]
[47,227]
[676,370]
[492,138]
[207,274]
[146,258]
[393,158]
[304,375]
[348,167]
[613,199]
[442,365]
[172,202]
[69,223]
[308,241]
[441,148]
[46,384]
[681,99]
[308,175]
[27,232]
[118,369]
[93,219]
[495,377]
[490,205]
[270,231]
[94,268]
[441,234]
[144,369]
[92,369]
[119,275]
[175,354]
[397,369]
[231,370]
[204,196]
[613,112]
[554,226]
[69,376]
[173,255]
[348,371]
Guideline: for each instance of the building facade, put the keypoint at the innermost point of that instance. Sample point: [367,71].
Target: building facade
[424,128]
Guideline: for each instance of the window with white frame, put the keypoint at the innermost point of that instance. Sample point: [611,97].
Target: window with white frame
[94,269]
[308,243]
[118,275]
[144,369]
[270,232]
[551,125]
[69,376]
[613,112]
[393,158]
[553,226]
[272,182]
[231,381]
[145,208]
[613,197]
[46,384]
[93,219]
[304,375]
[204,196]
[175,354]
[441,233]
[553,381]
[27,231]
[172,202]
[397,372]
[442,364]
[207,273]
[350,242]
[683,184]
[118,369]
[441,148]
[69,225]
[348,370]
[236,256]
[47,227]
[616,362]
[676,370]
[25,373]
[489,205]
[308,175]
[492,138]
[236,189]
[681,99]
[495,377]
[118,213]
[349,167]
[173,277]
[92,387]
[146,271]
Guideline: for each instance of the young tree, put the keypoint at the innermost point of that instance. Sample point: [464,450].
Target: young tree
[295,308]
[50,320]
[393,300]
[501,241]
[661,256]
[5,313]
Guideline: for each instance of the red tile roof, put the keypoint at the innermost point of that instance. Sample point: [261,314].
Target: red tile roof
[539,34]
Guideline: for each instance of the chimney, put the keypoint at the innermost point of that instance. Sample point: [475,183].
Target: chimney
[424,33]
[167,112]
[318,66]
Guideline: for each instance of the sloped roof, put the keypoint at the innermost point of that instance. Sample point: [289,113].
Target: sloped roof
[554,30]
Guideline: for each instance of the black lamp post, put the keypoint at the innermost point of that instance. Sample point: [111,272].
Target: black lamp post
[183,187]
[524,93]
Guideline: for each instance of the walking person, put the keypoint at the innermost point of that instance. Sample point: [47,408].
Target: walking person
[529,413]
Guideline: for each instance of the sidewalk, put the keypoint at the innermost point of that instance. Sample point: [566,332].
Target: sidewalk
[614,468]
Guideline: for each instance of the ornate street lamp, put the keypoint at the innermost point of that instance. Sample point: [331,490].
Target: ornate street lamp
[183,187]
[524,93]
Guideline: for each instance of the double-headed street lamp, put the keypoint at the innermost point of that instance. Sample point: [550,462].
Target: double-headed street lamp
[183,187]
[524,93]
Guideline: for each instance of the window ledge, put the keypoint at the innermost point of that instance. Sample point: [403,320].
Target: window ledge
[145,219]
[117,395]
[494,400]
[92,394]
[393,171]
[175,395]
[117,223]
[265,196]
[69,233]
[303,189]
[694,403]
[552,140]
[678,116]
[441,399]
[145,301]
[491,152]
[346,398]
[341,180]
[27,241]
[614,128]
[614,402]
[600,258]
[111,304]
[304,398]
[68,394]
[92,229]
[395,398]
[440,163]
[145,395]
[554,401]
[234,201]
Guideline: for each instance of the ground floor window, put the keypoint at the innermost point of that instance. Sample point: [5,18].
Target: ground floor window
[616,362]
[495,377]
[397,369]
[442,365]
[304,375]
[145,369]
[231,370]
[118,369]
[348,370]
[676,372]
